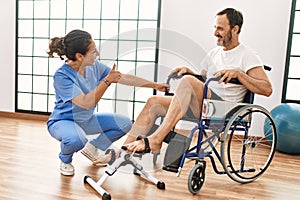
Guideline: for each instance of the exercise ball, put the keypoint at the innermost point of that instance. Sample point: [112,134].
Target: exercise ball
[287,122]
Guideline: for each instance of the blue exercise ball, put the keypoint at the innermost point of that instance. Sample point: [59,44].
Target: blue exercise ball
[287,122]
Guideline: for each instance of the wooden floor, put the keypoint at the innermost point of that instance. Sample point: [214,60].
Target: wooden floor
[29,169]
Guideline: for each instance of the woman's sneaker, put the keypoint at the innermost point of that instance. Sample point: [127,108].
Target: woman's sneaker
[67,169]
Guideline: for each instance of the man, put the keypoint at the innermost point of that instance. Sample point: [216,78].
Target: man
[229,60]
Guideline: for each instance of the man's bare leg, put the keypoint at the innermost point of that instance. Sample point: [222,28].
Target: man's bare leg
[188,93]
[154,107]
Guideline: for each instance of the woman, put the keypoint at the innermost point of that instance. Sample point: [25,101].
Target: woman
[79,85]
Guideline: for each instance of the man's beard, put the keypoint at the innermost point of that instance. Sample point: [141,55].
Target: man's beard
[226,41]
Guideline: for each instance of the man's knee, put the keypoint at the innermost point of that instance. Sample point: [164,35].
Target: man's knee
[190,84]
[157,105]
[191,80]
[154,100]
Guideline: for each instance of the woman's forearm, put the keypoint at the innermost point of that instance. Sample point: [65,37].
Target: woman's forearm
[89,100]
[132,80]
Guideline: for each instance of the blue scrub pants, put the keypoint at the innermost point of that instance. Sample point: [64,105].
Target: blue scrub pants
[72,135]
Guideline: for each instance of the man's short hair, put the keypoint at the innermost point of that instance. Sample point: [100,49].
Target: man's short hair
[235,17]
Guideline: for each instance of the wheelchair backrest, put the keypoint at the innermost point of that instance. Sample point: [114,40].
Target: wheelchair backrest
[249,97]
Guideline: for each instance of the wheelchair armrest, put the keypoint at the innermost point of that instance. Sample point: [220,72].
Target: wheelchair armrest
[199,77]
[204,79]
[175,75]
[233,80]
[171,76]
[249,96]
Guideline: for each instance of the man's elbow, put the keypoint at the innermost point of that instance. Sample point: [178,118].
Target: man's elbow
[269,91]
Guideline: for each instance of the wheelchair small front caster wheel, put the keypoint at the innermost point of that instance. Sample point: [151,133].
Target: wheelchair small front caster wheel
[161,185]
[196,178]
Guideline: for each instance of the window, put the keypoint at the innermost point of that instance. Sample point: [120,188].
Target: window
[124,30]
[292,68]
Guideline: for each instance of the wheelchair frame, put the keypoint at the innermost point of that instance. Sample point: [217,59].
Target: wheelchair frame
[238,168]
[239,118]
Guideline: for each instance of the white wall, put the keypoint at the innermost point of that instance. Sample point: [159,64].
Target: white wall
[7,55]
[190,24]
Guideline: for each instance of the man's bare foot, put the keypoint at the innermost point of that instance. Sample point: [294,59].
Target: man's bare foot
[102,160]
[141,145]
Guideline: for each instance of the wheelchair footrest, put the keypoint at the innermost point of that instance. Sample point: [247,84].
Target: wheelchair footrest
[171,168]
[176,148]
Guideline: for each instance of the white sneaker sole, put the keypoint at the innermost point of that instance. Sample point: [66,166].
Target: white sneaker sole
[66,173]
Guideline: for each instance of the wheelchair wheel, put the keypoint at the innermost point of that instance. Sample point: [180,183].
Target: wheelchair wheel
[196,178]
[247,151]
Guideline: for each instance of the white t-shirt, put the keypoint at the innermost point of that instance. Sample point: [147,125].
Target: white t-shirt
[240,57]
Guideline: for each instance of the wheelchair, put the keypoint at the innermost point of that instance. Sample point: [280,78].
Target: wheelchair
[245,150]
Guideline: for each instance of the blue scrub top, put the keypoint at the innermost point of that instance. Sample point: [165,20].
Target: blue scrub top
[68,83]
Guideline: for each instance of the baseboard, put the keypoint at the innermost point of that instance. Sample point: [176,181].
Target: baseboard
[28,116]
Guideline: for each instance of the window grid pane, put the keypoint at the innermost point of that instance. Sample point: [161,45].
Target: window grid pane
[118,28]
[290,92]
